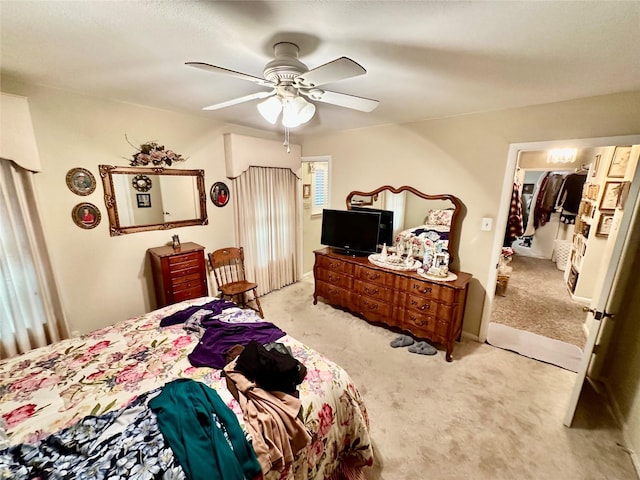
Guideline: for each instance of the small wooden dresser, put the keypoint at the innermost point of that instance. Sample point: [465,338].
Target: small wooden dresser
[178,273]
[402,300]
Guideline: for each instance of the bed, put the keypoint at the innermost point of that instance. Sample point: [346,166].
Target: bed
[433,233]
[70,396]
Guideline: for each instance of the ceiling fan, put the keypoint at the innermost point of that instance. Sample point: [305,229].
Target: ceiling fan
[291,81]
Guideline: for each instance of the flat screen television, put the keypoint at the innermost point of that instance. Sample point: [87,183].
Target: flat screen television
[385,232]
[353,232]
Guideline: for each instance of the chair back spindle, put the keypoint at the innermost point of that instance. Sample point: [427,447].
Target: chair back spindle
[228,269]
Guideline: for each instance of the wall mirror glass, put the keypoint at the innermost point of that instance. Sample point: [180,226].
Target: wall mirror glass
[170,198]
[415,213]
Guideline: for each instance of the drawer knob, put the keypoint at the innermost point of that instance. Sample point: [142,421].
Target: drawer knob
[416,286]
[371,306]
[371,292]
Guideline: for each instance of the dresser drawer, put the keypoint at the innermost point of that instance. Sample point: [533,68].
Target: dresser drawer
[185,282]
[338,279]
[185,260]
[371,275]
[419,323]
[333,294]
[188,294]
[374,291]
[374,310]
[431,290]
[334,265]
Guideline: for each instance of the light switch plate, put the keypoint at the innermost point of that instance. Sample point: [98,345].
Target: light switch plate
[486,224]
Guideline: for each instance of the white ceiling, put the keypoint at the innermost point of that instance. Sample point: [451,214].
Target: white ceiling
[424,59]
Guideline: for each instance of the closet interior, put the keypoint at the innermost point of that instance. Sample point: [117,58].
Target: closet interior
[557,240]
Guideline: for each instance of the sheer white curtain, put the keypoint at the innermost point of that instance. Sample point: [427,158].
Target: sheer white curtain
[266,211]
[30,313]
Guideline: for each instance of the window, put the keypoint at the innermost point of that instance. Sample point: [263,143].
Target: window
[319,186]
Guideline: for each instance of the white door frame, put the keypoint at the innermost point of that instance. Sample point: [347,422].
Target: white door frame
[505,202]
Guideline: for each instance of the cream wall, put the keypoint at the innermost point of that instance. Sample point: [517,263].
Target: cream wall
[102,278]
[465,156]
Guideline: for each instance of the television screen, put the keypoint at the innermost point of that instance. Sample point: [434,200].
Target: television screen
[385,233]
[355,232]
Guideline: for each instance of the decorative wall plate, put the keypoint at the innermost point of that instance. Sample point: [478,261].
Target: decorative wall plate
[142,183]
[86,215]
[219,194]
[81,181]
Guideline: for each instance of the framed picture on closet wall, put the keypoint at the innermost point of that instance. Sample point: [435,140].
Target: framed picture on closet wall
[618,166]
[611,195]
[604,225]
[596,165]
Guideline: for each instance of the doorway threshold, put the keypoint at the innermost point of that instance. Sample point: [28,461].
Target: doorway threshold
[532,345]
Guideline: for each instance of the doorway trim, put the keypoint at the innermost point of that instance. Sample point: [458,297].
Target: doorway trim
[505,202]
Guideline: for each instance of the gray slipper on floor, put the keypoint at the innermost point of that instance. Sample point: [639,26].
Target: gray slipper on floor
[423,348]
[402,341]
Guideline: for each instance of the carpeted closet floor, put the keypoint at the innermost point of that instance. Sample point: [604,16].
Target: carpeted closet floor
[537,301]
[489,414]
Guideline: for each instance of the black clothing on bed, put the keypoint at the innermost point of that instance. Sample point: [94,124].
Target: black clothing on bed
[272,369]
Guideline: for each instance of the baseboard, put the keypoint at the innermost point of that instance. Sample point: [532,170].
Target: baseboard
[470,336]
[617,415]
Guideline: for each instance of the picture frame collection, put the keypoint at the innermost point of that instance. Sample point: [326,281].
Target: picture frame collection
[82,182]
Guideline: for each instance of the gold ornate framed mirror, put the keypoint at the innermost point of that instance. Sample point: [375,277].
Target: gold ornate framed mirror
[176,198]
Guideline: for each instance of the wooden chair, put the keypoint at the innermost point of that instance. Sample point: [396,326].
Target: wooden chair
[228,269]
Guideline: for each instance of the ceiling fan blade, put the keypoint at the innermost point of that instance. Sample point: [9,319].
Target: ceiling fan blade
[342,100]
[238,100]
[338,69]
[233,73]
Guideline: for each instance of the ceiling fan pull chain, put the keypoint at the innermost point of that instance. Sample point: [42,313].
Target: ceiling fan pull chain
[286,139]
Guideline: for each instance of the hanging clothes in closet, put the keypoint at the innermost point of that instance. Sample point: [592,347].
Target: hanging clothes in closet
[570,196]
[544,200]
[515,226]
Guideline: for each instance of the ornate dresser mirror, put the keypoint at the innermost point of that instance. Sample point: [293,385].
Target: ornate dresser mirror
[142,199]
[414,211]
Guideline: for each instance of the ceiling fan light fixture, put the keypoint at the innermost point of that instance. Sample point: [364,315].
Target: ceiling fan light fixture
[270,109]
[297,111]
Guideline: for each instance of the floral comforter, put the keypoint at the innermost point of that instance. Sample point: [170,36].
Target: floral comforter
[62,391]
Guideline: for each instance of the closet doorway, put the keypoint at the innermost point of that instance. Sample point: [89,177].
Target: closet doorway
[537,309]
[533,312]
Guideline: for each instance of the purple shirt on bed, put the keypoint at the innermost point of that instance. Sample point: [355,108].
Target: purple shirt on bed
[215,307]
[221,336]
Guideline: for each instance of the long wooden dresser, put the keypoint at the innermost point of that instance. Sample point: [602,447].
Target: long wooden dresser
[404,301]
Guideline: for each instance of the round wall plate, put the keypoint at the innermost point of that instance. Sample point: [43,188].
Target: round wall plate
[219,194]
[81,181]
[86,215]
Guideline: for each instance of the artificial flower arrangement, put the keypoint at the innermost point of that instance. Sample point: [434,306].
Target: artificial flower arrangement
[154,154]
[506,255]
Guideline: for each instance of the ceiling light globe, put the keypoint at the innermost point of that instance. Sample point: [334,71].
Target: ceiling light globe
[270,109]
[306,110]
[296,112]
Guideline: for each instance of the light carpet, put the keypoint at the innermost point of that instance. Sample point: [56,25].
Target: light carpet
[537,300]
[489,414]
